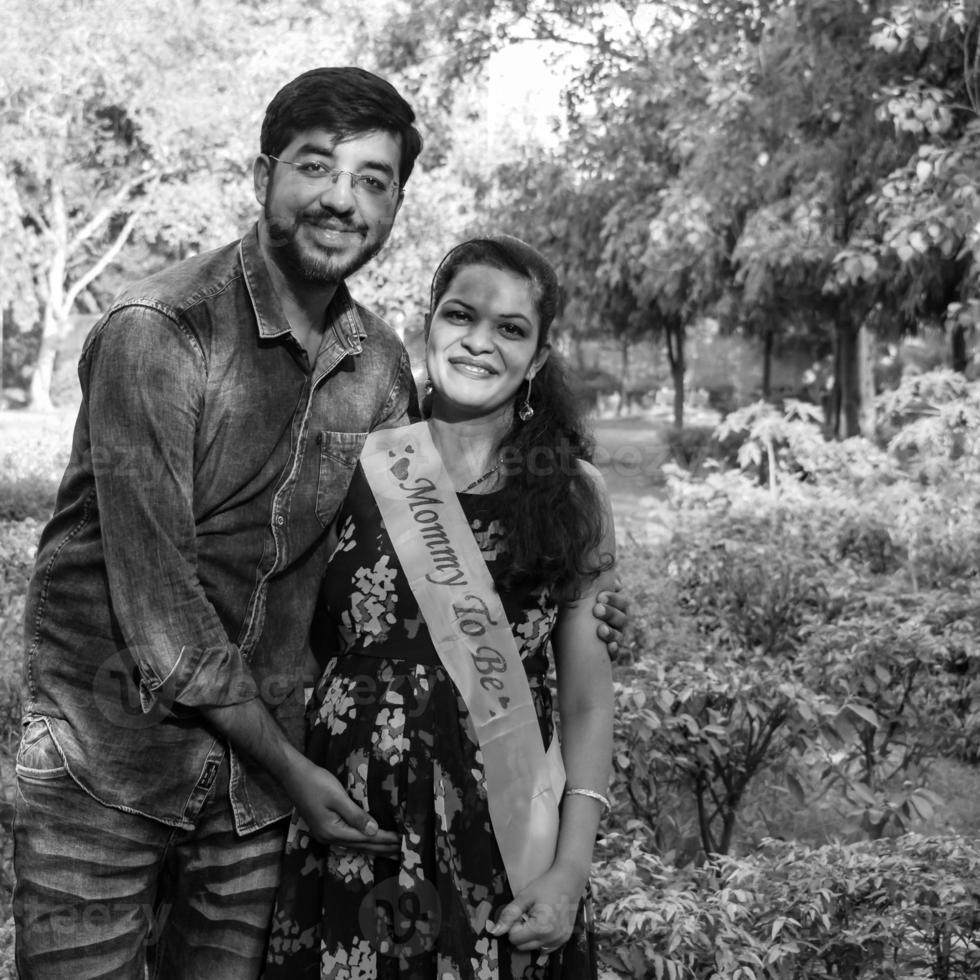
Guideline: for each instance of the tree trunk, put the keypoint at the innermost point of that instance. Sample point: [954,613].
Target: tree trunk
[866,381]
[767,346]
[958,348]
[830,397]
[674,335]
[54,313]
[40,390]
[624,366]
[847,378]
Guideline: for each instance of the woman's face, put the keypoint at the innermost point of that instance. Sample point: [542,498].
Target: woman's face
[483,339]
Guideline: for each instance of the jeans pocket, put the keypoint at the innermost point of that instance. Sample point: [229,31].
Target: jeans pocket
[339,453]
[38,757]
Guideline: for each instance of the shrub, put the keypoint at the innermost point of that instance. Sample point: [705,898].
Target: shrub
[17,544]
[896,908]
[18,540]
[787,635]
[931,422]
[691,446]
[31,465]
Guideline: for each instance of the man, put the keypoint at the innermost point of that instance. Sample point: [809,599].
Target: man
[225,403]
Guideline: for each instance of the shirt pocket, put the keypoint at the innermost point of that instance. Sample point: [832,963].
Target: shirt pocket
[38,757]
[338,455]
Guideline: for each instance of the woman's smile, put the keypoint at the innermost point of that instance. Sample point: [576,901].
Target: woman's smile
[472,369]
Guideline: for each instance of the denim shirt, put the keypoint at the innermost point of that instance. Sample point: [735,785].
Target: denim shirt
[184,558]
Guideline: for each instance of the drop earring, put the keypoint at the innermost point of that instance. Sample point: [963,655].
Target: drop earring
[427,386]
[526,412]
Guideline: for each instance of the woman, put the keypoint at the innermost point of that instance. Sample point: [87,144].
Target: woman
[486,881]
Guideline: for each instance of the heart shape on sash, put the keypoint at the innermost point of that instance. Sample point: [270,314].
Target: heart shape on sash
[400,469]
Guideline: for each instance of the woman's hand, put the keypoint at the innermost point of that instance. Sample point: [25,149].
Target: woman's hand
[542,915]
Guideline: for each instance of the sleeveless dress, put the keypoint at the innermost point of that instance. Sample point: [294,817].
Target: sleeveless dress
[387,720]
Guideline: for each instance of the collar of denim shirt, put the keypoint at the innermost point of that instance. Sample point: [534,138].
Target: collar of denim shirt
[269,314]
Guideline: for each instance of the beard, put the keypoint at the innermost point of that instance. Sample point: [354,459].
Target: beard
[315,265]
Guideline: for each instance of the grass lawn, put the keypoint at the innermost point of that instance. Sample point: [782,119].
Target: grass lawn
[18,426]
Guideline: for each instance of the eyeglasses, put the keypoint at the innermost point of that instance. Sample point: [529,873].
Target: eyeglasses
[368,187]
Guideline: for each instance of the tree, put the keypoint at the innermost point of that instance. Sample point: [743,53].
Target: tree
[883,151]
[17,296]
[781,260]
[125,124]
[920,247]
[74,140]
[810,132]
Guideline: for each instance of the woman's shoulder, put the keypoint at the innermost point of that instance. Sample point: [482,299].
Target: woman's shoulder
[603,505]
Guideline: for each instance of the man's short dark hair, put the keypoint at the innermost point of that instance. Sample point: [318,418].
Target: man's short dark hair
[346,101]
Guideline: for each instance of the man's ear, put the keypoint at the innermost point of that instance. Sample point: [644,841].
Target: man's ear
[261,175]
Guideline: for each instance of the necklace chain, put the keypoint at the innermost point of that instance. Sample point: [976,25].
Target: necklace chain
[486,476]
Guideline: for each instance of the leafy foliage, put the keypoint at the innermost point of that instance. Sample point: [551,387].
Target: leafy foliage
[17,542]
[804,650]
[901,907]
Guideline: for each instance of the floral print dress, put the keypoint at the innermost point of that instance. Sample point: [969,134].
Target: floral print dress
[388,721]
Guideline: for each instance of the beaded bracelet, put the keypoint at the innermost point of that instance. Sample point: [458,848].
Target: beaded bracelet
[591,794]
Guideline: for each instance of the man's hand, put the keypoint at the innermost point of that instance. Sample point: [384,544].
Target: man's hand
[331,815]
[612,611]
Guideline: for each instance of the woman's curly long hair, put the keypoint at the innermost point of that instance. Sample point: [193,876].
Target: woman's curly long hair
[555,518]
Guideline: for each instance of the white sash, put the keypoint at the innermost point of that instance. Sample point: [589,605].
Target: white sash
[468,626]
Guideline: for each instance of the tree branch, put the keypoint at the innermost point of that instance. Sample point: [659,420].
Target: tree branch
[96,270]
[715,797]
[895,722]
[769,730]
[970,80]
[35,215]
[707,841]
[547,34]
[108,210]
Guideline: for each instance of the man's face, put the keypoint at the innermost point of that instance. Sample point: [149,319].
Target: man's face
[320,229]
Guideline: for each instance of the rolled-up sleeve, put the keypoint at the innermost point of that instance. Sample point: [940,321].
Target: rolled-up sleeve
[144,379]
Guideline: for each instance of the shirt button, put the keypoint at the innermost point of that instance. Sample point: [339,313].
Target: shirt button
[280,520]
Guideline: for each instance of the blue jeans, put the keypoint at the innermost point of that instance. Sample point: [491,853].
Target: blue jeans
[104,893]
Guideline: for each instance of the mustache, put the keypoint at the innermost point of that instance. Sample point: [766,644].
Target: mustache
[330,221]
